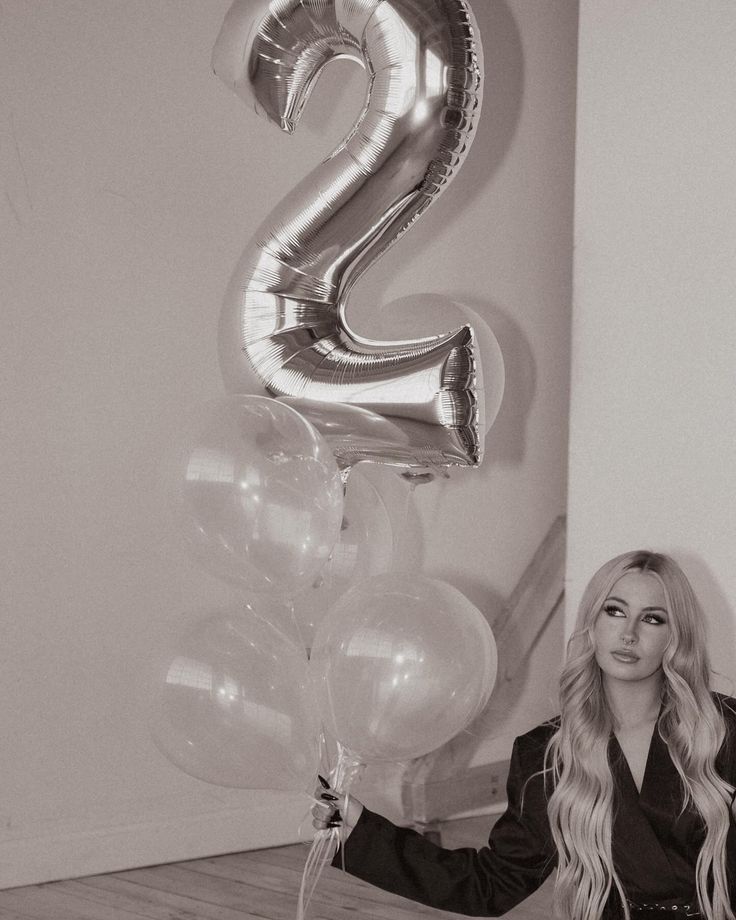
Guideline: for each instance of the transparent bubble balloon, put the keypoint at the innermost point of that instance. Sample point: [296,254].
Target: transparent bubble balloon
[365,548]
[257,494]
[401,664]
[233,707]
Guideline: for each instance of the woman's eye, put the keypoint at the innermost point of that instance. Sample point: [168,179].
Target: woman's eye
[613,611]
[654,618]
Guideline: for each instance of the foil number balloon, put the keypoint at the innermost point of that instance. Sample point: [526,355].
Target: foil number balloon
[284,315]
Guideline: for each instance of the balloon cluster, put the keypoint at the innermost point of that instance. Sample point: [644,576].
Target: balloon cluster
[395,664]
[399,663]
[391,665]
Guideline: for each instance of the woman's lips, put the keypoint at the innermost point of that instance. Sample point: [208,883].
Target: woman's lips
[625,657]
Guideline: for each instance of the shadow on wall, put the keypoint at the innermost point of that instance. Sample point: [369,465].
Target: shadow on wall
[503,89]
[490,603]
[506,441]
[720,614]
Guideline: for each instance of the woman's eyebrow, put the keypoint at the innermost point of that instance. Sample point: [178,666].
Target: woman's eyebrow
[619,600]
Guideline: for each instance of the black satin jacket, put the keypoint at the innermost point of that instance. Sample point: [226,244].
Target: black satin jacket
[655,848]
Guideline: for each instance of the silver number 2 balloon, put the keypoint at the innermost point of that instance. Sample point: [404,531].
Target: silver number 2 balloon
[414,403]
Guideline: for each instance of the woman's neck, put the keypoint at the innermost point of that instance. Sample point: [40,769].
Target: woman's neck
[634,703]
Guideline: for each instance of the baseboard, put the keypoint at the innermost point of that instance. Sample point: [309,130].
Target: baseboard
[477,790]
[62,853]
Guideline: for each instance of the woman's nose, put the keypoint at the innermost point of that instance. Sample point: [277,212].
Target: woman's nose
[629,635]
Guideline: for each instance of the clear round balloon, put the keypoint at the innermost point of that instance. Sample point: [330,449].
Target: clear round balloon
[400,665]
[257,494]
[365,548]
[233,705]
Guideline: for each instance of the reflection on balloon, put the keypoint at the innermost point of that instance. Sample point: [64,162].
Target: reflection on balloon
[401,664]
[233,706]
[285,311]
[364,549]
[355,434]
[258,494]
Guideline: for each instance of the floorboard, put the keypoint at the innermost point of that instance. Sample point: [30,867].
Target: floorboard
[254,885]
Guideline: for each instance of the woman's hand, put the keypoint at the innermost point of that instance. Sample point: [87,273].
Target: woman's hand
[330,809]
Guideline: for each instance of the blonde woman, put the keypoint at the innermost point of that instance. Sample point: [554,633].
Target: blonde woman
[628,795]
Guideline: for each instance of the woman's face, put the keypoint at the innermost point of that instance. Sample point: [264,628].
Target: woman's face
[633,628]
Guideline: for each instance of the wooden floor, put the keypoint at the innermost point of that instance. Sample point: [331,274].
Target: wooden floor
[256,885]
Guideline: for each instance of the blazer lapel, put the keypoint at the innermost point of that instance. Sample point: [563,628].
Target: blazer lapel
[642,821]
[661,790]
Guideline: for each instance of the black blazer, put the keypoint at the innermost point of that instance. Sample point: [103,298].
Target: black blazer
[655,848]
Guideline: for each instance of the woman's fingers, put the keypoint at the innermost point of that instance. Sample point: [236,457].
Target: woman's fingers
[322,821]
[326,809]
[329,809]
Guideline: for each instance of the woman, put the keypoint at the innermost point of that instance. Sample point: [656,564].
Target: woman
[629,793]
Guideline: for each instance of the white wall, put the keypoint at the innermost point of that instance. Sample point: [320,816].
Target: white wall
[653,418]
[131,180]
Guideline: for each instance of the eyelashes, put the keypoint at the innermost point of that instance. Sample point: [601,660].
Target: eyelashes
[613,610]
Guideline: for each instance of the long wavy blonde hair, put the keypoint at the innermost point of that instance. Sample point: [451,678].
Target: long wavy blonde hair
[580,807]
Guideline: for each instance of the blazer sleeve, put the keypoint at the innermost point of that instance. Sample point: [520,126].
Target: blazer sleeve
[483,883]
[726,759]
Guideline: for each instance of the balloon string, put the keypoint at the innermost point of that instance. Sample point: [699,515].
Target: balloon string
[300,638]
[401,532]
[326,842]
[321,854]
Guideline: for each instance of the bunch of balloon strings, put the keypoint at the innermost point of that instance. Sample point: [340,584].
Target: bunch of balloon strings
[326,842]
